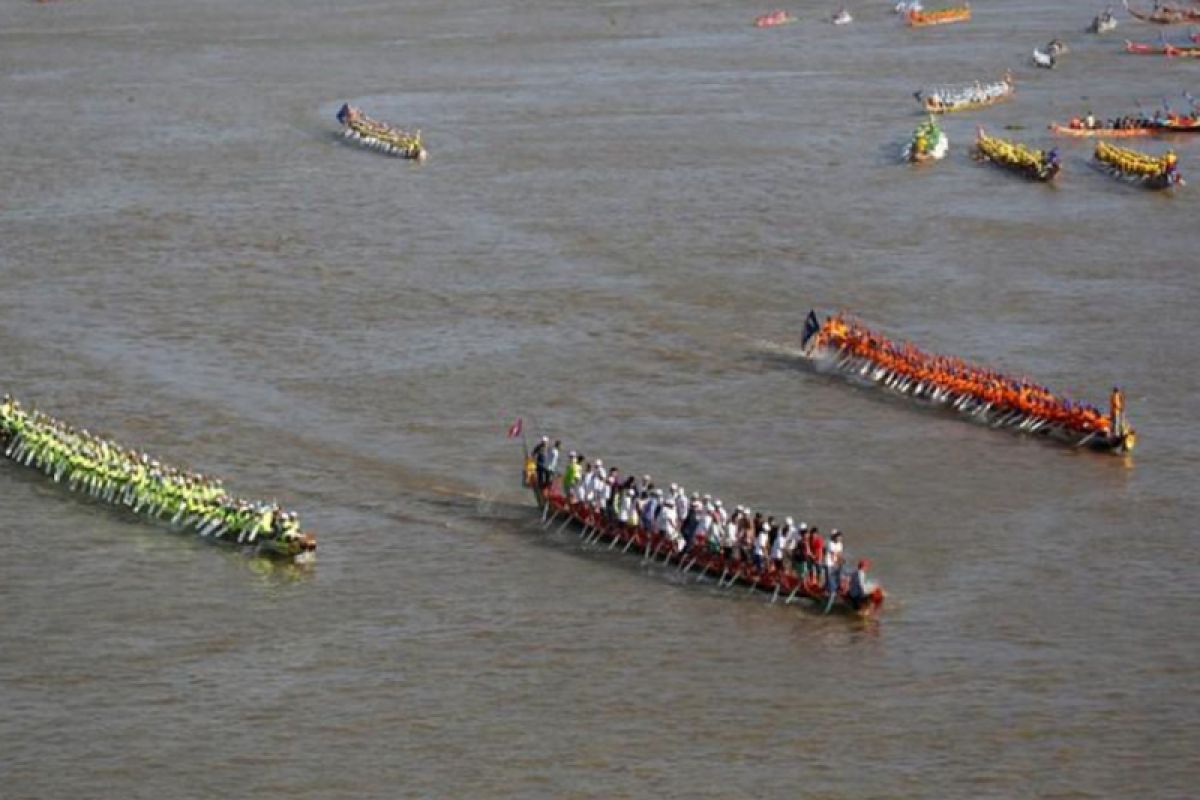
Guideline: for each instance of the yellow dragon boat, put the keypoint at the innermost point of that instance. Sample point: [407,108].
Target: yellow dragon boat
[1153,172]
[1036,165]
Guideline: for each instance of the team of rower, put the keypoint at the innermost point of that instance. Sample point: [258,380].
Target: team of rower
[698,525]
[392,140]
[953,375]
[952,97]
[1035,163]
[120,476]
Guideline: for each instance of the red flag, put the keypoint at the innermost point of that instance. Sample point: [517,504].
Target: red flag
[515,430]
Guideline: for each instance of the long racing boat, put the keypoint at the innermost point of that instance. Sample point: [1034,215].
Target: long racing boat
[917,18]
[1153,172]
[1037,165]
[1165,14]
[375,135]
[975,392]
[124,478]
[1082,132]
[965,97]
[704,556]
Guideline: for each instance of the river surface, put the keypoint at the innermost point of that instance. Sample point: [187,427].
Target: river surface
[627,211]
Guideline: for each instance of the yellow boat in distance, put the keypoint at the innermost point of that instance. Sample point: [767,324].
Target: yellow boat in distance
[917,18]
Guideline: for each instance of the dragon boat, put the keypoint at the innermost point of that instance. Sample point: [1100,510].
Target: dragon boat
[372,134]
[938,16]
[1077,130]
[1033,164]
[1153,172]
[965,97]
[124,478]
[977,393]
[1165,14]
[773,19]
[929,143]
[703,559]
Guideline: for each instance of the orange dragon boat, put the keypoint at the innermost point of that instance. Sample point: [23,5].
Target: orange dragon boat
[975,392]
[938,16]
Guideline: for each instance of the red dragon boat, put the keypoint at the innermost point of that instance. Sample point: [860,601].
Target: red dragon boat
[783,585]
[978,393]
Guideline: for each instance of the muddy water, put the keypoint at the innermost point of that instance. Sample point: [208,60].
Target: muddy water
[627,211]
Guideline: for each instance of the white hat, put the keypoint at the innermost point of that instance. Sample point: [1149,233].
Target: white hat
[717,503]
[803,526]
[790,521]
[599,463]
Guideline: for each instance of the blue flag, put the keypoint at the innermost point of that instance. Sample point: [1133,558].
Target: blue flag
[811,326]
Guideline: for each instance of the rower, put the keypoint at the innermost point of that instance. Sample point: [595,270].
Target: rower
[1089,121]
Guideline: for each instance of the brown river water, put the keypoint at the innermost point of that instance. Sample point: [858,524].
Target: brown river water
[627,210]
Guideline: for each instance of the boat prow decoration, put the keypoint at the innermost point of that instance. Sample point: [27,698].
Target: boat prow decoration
[379,136]
[977,393]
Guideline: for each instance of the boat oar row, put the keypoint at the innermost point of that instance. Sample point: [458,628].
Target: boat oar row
[113,474]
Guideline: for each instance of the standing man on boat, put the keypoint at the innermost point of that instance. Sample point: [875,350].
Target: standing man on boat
[552,463]
[539,459]
[1117,402]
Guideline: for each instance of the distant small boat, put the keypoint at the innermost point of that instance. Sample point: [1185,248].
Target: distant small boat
[773,19]
[905,6]
[939,16]
[1043,60]
[1165,14]
[387,139]
[842,17]
[1103,22]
